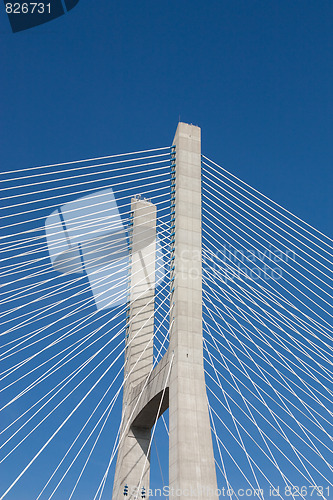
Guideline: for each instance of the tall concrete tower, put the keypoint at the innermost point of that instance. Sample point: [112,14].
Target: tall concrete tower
[178,381]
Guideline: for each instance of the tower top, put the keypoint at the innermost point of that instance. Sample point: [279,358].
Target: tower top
[187,130]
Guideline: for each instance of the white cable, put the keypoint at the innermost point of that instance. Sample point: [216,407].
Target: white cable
[214,274]
[219,450]
[115,447]
[63,382]
[292,286]
[59,338]
[80,192]
[81,161]
[244,400]
[250,436]
[237,430]
[273,317]
[80,292]
[124,219]
[163,240]
[282,396]
[66,335]
[42,350]
[76,169]
[75,373]
[276,204]
[228,452]
[82,470]
[232,493]
[293,277]
[49,269]
[46,257]
[108,411]
[267,381]
[266,434]
[50,345]
[298,255]
[59,428]
[113,226]
[262,334]
[267,218]
[245,351]
[275,291]
[282,341]
[125,197]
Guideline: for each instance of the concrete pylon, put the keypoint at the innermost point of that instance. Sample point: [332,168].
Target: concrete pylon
[191,458]
[177,382]
[133,463]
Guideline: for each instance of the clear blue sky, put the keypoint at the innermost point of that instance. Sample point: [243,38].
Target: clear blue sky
[112,77]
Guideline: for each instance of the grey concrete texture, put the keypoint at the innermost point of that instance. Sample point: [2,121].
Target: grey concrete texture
[133,460]
[191,457]
[181,385]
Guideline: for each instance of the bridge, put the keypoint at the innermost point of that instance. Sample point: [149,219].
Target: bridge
[166,331]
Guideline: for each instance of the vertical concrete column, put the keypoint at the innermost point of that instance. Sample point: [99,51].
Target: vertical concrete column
[133,462]
[142,291]
[191,458]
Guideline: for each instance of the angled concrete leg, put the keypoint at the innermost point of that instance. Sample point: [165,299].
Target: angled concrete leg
[133,464]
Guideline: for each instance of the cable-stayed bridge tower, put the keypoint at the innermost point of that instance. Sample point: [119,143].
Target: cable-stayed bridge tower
[91,313]
[178,381]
